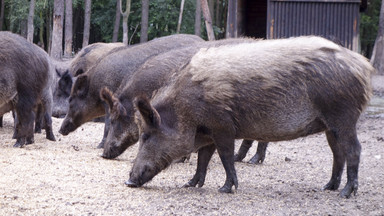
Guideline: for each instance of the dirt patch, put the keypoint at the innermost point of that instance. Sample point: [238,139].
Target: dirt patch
[67,177]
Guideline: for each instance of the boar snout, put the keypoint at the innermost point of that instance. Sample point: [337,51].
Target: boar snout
[67,127]
[132,184]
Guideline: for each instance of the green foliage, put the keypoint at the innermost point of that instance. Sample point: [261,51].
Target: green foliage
[369,22]
[16,13]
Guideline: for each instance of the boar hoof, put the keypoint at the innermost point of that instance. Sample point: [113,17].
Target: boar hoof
[189,184]
[132,184]
[19,143]
[332,185]
[51,137]
[348,190]
[257,159]
[238,158]
[101,145]
[225,189]
[30,140]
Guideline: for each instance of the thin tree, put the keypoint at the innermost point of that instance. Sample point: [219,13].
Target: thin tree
[198,18]
[208,20]
[2,14]
[30,21]
[144,21]
[180,17]
[125,15]
[377,59]
[116,27]
[87,22]
[57,31]
[68,28]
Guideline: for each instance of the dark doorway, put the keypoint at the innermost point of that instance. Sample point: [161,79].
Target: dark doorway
[255,18]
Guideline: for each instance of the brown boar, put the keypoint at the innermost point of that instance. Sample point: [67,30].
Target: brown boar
[268,91]
[91,55]
[85,59]
[25,80]
[154,74]
[115,68]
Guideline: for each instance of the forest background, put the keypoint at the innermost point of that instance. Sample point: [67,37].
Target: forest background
[93,21]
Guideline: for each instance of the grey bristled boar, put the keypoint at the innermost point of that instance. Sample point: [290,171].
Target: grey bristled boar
[25,85]
[115,68]
[268,91]
[154,74]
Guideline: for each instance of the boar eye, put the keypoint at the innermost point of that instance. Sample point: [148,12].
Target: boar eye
[145,137]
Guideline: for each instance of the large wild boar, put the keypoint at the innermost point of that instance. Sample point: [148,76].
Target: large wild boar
[154,74]
[115,68]
[26,79]
[90,56]
[268,91]
[85,59]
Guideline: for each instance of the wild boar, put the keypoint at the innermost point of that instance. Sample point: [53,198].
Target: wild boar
[25,79]
[85,59]
[267,91]
[91,55]
[61,92]
[154,74]
[115,68]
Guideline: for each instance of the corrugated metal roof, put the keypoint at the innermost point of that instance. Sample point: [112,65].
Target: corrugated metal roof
[337,20]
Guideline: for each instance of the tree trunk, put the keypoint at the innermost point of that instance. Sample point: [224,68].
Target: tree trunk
[24,27]
[180,17]
[41,32]
[87,22]
[198,18]
[57,32]
[2,14]
[68,28]
[125,19]
[208,20]
[211,6]
[116,27]
[377,59]
[30,21]
[144,21]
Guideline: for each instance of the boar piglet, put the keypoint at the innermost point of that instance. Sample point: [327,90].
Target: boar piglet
[26,79]
[154,74]
[273,90]
[113,69]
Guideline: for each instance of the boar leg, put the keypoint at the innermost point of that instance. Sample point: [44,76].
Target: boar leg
[259,157]
[245,145]
[345,147]
[14,136]
[352,150]
[48,127]
[225,147]
[39,119]
[24,126]
[1,121]
[338,162]
[203,158]
[107,125]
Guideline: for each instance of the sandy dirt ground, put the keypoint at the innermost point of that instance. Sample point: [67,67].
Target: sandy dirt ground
[68,177]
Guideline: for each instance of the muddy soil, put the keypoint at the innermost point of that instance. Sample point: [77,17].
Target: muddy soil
[68,177]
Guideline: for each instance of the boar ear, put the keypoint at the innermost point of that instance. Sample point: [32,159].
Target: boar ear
[107,96]
[80,88]
[65,83]
[147,111]
[114,104]
[79,72]
[58,72]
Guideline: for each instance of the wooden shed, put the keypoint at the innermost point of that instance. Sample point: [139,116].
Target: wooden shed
[334,19]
